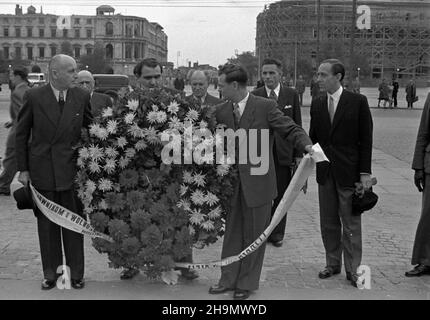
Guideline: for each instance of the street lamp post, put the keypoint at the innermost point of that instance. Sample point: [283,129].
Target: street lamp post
[358,73]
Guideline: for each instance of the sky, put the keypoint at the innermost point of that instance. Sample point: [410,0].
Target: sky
[207,32]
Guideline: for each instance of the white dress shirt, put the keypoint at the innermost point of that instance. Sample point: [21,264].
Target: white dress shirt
[277,90]
[336,97]
[242,104]
[57,93]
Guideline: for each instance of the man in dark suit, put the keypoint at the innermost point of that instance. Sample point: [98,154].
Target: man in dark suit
[199,85]
[19,79]
[284,154]
[421,165]
[249,212]
[53,116]
[341,123]
[99,101]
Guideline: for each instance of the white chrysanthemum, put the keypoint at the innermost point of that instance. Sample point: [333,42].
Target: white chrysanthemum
[192,115]
[96,153]
[111,152]
[133,104]
[151,136]
[112,126]
[161,117]
[197,217]
[154,107]
[130,152]
[129,118]
[88,195]
[191,230]
[173,107]
[215,213]
[123,162]
[198,197]
[122,141]
[211,199]
[222,169]
[94,128]
[88,209]
[175,123]
[184,204]
[110,166]
[84,153]
[108,112]
[103,205]
[90,186]
[136,131]
[152,116]
[94,167]
[203,124]
[80,163]
[140,145]
[187,177]
[183,190]
[208,225]
[199,179]
[105,185]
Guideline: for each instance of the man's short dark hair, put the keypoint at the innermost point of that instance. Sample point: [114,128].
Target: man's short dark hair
[20,71]
[149,62]
[234,72]
[276,62]
[336,67]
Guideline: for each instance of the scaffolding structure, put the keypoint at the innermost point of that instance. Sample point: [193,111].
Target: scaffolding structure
[397,43]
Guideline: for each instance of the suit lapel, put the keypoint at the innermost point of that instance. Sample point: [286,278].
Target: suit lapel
[248,113]
[227,115]
[50,108]
[325,117]
[67,115]
[340,110]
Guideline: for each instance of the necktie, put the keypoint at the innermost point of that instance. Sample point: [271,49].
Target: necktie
[236,114]
[61,101]
[273,95]
[331,108]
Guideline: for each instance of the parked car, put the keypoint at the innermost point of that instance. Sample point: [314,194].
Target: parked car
[36,79]
[105,82]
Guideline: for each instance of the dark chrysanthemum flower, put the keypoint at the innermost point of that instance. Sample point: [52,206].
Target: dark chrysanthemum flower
[129,178]
[135,200]
[115,201]
[99,221]
[131,245]
[151,236]
[140,220]
[118,230]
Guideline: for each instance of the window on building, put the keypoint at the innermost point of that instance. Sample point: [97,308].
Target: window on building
[128,48]
[54,20]
[6,20]
[136,51]
[18,53]
[41,21]
[41,52]
[53,33]
[128,31]
[77,33]
[77,21]
[30,53]
[29,20]
[65,33]
[53,51]
[6,52]
[29,31]
[89,51]
[314,33]
[89,21]
[109,29]
[109,51]
[77,52]
[313,54]
[41,33]
[89,33]
[17,32]
[6,32]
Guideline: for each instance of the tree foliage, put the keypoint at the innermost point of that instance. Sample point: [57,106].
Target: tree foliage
[96,61]
[250,62]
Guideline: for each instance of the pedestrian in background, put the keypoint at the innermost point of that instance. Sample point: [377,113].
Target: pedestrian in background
[411,93]
[18,79]
[179,83]
[384,93]
[300,87]
[395,85]
[315,88]
[421,165]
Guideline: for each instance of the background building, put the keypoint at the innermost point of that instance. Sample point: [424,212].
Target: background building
[125,40]
[397,43]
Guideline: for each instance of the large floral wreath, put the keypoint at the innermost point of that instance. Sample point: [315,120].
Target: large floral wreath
[154,212]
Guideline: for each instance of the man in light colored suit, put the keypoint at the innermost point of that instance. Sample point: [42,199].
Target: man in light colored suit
[199,85]
[19,80]
[99,101]
[250,207]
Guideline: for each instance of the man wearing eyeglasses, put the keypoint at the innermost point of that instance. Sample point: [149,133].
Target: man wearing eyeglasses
[99,101]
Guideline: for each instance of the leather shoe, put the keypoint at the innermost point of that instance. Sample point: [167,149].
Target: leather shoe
[418,271]
[240,294]
[352,278]
[277,243]
[129,273]
[4,193]
[48,284]
[189,274]
[78,284]
[328,272]
[217,289]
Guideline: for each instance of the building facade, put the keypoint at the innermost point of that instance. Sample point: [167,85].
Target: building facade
[37,37]
[398,41]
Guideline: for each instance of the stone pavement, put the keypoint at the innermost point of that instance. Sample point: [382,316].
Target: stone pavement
[289,272]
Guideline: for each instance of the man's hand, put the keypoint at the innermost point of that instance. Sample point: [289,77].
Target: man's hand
[24,178]
[366,181]
[309,150]
[8,124]
[419,180]
[305,187]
